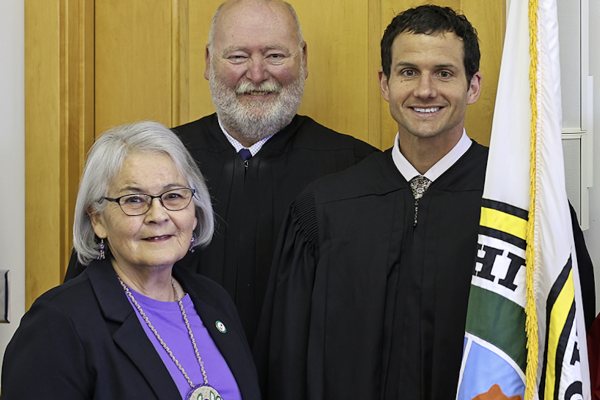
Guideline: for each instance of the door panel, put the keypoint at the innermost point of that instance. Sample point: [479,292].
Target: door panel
[133,62]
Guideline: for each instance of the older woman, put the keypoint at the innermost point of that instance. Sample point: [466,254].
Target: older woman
[134,325]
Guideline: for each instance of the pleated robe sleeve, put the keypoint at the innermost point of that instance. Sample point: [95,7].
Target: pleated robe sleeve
[284,343]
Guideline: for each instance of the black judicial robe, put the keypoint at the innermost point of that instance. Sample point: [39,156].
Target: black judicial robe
[361,303]
[250,201]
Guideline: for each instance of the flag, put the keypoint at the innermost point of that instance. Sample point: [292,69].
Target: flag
[525,333]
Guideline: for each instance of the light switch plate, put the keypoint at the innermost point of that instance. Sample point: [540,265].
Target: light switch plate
[4,295]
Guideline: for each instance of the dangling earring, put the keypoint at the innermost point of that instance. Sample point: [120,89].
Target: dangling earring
[192,243]
[101,256]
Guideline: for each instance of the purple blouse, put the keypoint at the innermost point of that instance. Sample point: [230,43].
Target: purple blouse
[168,322]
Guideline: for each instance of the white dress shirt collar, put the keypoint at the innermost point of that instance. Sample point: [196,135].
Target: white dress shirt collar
[409,172]
[238,146]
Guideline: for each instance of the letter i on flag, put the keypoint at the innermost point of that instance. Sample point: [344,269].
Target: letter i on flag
[525,335]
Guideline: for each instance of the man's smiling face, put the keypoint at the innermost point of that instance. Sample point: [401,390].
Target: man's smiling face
[256,68]
[427,88]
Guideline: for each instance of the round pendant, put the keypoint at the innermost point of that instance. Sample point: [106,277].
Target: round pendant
[204,392]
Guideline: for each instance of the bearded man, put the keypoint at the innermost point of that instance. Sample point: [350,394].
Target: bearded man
[255,153]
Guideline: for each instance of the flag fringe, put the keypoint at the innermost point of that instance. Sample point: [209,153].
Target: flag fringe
[530,310]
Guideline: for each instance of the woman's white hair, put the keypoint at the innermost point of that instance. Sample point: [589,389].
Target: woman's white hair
[104,162]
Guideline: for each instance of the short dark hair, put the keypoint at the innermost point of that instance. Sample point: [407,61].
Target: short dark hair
[430,20]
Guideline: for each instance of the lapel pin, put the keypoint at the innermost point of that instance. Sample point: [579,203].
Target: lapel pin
[221,327]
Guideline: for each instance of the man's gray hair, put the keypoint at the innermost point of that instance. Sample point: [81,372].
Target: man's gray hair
[211,36]
[105,161]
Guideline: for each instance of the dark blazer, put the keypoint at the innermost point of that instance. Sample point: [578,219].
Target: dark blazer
[83,340]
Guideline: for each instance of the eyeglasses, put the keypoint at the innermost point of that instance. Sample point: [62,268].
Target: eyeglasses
[140,203]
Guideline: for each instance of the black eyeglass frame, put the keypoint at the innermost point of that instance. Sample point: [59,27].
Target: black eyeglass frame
[149,203]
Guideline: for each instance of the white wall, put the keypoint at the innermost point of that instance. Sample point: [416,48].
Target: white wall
[12,159]
[592,235]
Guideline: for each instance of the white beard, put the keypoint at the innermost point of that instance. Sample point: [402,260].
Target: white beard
[255,120]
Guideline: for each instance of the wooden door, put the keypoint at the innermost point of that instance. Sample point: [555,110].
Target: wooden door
[94,64]
[59,117]
[165,80]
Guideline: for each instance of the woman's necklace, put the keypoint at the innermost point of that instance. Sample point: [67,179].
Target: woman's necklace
[198,392]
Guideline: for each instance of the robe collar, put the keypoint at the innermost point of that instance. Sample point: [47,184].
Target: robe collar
[238,146]
[278,144]
[409,172]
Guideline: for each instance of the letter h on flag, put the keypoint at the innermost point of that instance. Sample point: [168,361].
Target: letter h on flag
[525,335]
